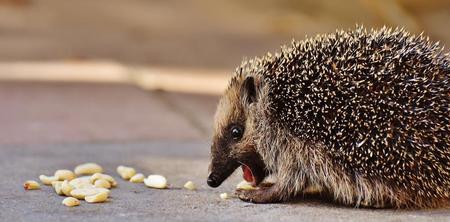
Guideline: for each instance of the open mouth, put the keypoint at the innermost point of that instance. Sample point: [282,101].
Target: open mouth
[247,174]
[253,167]
[253,175]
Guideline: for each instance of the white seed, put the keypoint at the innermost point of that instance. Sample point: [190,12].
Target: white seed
[85,186]
[156,181]
[46,180]
[62,175]
[244,185]
[88,169]
[224,196]
[97,198]
[101,183]
[138,178]
[57,186]
[84,192]
[71,202]
[54,183]
[126,172]
[106,177]
[66,188]
[31,185]
[190,185]
[81,182]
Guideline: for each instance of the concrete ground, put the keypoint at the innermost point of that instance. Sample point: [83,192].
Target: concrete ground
[47,126]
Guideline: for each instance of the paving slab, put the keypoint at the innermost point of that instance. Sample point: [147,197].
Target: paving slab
[198,109]
[42,112]
[179,162]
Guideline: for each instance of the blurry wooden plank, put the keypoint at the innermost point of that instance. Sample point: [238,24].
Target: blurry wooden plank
[181,80]
[204,81]
[64,71]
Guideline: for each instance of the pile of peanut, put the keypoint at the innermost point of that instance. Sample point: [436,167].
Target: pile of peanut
[87,182]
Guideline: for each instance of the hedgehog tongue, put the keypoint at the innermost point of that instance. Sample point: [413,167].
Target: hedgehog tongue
[248,175]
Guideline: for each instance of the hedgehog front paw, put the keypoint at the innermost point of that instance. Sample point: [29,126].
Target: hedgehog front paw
[263,194]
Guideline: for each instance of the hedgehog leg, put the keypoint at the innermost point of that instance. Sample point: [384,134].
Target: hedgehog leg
[263,194]
[366,204]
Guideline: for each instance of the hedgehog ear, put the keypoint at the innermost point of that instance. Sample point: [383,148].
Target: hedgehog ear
[249,90]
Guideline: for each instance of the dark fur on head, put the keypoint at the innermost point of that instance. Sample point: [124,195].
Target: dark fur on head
[227,152]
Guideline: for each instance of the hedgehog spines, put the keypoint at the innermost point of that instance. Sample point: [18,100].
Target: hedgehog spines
[377,100]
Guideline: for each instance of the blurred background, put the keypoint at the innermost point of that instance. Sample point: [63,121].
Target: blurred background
[137,70]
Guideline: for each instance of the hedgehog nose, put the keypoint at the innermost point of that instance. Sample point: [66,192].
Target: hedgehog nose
[212,182]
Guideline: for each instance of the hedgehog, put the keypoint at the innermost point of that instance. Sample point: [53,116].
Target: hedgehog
[358,115]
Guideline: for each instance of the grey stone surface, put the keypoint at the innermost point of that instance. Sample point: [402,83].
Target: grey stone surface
[197,109]
[38,113]
[110,120]
[179,162]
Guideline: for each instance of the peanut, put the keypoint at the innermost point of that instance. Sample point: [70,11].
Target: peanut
[64,175]
[71,202]
[46,180]
[97,198]
[81,182]
[101,183]
[84,192]
[88,169]
[66,188]
[106,177]
[57,185]
[190,185]
[244,185]
[138,178]
[224,196]
[31,185]
[126,172]
[156,181]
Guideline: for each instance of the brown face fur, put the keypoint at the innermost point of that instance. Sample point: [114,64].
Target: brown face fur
[228,151]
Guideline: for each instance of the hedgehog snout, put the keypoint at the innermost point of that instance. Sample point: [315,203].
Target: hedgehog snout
[221,169]
[212,181]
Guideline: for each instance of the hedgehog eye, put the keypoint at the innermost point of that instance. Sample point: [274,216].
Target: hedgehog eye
[236,132]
